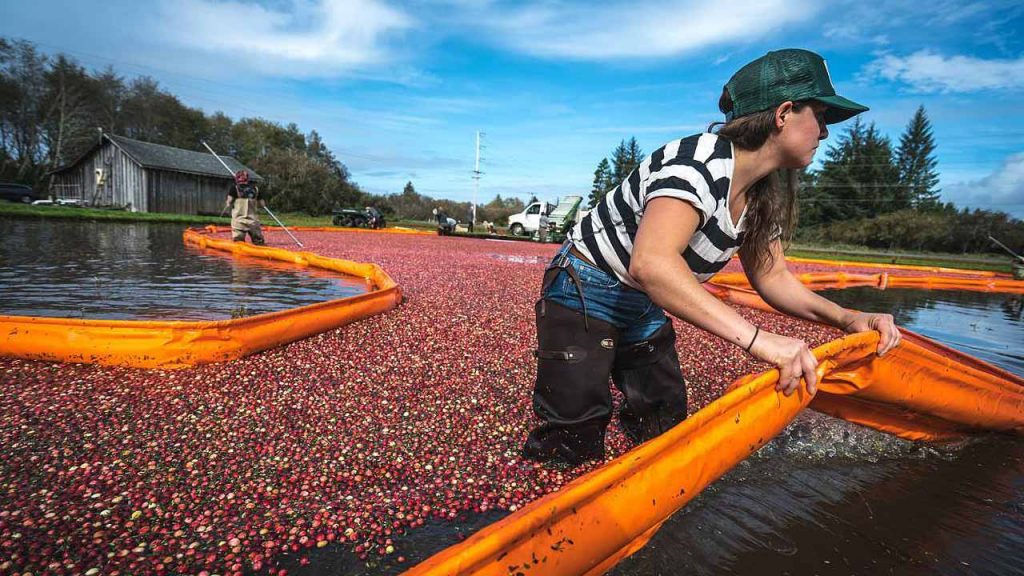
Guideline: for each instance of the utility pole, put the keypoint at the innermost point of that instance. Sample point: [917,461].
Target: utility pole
[476,176]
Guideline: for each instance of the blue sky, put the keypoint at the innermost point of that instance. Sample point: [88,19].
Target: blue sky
[399,89]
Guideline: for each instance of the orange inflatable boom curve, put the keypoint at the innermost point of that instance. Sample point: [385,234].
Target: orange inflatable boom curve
[176,344]
[599,519]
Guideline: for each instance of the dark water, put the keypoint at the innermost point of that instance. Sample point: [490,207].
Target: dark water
[143,271]
[827,497]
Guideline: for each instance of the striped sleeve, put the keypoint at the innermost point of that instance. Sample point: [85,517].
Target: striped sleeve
[686,180]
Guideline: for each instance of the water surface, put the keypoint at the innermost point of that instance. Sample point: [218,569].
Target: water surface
[989,326]
[143,271]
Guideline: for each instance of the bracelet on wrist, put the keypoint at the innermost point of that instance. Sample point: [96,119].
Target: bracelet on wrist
[757,330]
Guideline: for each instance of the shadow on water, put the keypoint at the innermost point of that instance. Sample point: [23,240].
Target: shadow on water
[412,548]
[827,497]
[143,271]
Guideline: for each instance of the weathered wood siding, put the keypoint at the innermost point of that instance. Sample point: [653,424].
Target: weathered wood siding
[127,184]
[180,193]
[124,180]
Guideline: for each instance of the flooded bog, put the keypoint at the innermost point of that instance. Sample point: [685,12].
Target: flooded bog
[143,271]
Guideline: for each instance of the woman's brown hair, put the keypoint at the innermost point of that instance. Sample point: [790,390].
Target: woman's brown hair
[771,206]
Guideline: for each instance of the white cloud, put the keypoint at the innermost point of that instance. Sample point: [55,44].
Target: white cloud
[301,37]
[925,71]
[595,31]
[1002,190]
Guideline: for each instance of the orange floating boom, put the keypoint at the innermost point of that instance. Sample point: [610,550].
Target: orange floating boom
[591,524]
[177,344]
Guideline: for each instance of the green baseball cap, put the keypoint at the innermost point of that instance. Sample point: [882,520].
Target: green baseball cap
[787,75]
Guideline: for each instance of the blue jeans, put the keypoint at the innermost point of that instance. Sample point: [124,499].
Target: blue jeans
[608,299]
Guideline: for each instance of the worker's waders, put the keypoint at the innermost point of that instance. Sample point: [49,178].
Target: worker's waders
[576,352]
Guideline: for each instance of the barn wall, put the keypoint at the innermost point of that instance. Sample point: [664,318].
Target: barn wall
[180,193]
[123,181]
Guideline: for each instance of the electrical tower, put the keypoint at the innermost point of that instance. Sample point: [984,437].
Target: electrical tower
[476,175]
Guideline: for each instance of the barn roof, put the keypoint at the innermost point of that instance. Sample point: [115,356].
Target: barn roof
[162,157]
[177,159]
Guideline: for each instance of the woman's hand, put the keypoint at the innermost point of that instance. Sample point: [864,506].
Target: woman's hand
[793,359]
[889,335]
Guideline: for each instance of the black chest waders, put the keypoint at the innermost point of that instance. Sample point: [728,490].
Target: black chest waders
[648,374]
[572,395]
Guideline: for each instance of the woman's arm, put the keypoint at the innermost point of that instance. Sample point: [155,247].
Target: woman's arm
[658,266]
[784,292]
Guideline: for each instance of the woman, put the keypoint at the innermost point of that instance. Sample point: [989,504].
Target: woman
[646,247]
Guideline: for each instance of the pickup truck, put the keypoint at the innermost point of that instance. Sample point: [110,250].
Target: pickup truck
[558,220]
[529,220]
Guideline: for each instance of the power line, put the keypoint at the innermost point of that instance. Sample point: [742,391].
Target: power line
[878,200]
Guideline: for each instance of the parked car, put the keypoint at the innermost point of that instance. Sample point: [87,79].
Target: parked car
[58,202]
[16,193]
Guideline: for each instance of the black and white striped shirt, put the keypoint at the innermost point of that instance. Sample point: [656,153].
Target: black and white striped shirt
[697,169]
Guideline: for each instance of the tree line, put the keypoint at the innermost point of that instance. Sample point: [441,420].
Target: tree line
[52,110]
[869,193]
[411,205]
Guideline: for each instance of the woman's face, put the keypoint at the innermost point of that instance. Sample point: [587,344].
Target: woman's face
[800,132]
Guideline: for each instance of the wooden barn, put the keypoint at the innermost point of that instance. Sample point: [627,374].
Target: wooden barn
[144,177]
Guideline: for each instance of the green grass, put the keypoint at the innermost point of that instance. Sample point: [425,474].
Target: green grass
[72,213]
[867,255]
[14,209]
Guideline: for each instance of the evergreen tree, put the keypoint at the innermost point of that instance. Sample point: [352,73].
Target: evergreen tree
[602,182]
[815,205]
[859,178]
[625,158]
[916,160]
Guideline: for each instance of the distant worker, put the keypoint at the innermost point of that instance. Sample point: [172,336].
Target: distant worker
[244,201]
[543,224]
[445,224]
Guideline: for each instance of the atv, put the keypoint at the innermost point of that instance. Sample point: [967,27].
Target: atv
[368,217]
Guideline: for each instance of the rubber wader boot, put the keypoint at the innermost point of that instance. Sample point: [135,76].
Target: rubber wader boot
[648,374]
[571,395]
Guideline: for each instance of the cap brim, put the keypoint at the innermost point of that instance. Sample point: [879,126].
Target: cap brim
[840,109]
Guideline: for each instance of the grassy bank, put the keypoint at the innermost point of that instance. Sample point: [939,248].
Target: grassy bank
[13,209]
[862,254]
[72,213]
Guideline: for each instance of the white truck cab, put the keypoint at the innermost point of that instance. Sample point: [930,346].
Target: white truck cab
[530,219]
